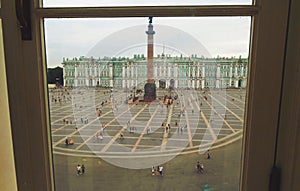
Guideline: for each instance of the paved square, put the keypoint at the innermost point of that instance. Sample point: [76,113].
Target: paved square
[135,137]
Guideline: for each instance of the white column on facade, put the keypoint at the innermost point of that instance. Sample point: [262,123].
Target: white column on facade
[230,75]
[111,77]
[194,79]
[236,81]
[86,77]
[94,70]
[90,70]
[99,73]
[132,76]
[246,74]
[137,74]
[128,76]
[75,75]
[197,77]
[93,75]
[176,76]
[64,75]
[218,75]
[242,71]
[203,77]
[157,74]
[242,75]
[123,76]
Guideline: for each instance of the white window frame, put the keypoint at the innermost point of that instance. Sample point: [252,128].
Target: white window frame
[26,74]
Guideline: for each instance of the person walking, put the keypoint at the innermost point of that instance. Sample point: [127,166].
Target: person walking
[78,169]
[153,170]
[198,166]
[161,170]
[82,169]
[201,168]
[208,154]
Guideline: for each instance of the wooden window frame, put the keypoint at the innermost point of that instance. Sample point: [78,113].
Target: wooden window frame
[28,94]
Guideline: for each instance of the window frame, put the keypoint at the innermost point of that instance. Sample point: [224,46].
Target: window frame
[28,94]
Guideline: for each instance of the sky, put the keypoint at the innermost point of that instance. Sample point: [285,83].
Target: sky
[208,36]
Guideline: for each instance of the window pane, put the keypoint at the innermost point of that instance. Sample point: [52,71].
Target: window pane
[94,3]
[7,182]
[131,93]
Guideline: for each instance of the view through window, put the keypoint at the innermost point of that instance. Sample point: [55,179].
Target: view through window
[141,103]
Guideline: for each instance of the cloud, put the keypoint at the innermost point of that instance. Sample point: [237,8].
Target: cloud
[76,37]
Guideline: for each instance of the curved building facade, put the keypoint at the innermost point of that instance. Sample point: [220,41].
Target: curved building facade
[176,72]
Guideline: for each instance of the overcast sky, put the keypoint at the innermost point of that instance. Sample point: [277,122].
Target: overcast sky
[226,36]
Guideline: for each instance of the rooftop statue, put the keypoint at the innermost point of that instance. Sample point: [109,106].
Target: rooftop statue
[150,20]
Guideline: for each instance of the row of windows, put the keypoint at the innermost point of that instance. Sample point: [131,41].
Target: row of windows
[160,73]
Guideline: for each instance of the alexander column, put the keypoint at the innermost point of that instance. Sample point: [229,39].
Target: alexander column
[150,88]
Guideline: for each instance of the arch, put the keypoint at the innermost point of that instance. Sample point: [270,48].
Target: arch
[240,83]
[172,84]
[162,83]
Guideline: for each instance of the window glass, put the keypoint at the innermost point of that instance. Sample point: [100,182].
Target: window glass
[94,3]
[129,94]
[8,182]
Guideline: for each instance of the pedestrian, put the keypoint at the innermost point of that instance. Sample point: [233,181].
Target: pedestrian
[201,167]
[71,141]
[208,154]
[161,170]
[153,171]
[67,141]
[82,169]
[198,166]
[78,169]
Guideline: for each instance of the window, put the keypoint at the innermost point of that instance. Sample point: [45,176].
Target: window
[28,78]
[8,181]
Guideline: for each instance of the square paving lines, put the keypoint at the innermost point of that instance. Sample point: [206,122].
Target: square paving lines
[56,138]
[148,140]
